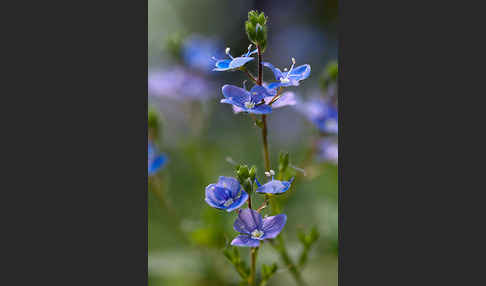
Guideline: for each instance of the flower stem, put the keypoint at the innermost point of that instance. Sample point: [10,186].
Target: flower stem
[249,74]
[288,262]
[265,143]
[252,279]
[260,67]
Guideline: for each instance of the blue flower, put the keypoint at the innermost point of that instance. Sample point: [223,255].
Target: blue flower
[197,50]
[274,186]
[328,150]
[233,63]
[253,228]
[322,113]
[178,83]
[292,77]
[155,161]
[227,194]
[287,98]
[248,101]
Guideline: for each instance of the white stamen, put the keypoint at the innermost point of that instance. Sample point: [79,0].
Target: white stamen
[286,78]
[228,203]
[249,104]
[267,174]
[256,234]
[272,172]
[227,52]
[249,47]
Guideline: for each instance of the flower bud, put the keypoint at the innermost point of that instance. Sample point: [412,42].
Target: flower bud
[243,173]
[252,173]
[256,29]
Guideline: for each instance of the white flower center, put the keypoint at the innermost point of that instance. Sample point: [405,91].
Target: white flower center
[256,234]
[228,203]
[286,78]
[249,104]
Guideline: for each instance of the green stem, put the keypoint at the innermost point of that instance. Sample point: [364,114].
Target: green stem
[252,279]
[266,155]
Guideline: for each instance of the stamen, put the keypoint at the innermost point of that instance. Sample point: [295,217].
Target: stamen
[228,203]
[256,234]
[272,172]
[249,104]
[227,52]
[286,78]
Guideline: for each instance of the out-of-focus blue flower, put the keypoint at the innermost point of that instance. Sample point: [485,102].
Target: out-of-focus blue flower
[155,160]
[328,150]
[233,63]
[322,113]
[178,83]
[227,194]
[197,51]
[247,101]
[254,228]
[292,77]
[274,186]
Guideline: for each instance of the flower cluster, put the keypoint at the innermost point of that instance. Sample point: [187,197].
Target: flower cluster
[229,195]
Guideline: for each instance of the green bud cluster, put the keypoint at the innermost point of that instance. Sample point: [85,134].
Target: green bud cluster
[307,240]
[267,272]
[256,29]
[246,176]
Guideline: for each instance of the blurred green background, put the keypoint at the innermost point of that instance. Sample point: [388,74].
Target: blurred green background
[186,236]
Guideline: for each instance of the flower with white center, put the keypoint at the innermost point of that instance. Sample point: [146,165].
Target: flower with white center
[292,77]
[253,228]
[248,101]
[227,194]
[232,63]
[274,186]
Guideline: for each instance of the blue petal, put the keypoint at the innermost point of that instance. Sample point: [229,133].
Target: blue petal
[216,196]
[222,65]
[229,183]
[235,95]
[273,225]
[275,187]
[156,164]
[247,221]
[258,93]
[258,183]
[239,62]
[274,85]
[276,71]
[245,241]
[239,202]
[300,73]
[287,98]
[260,109]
